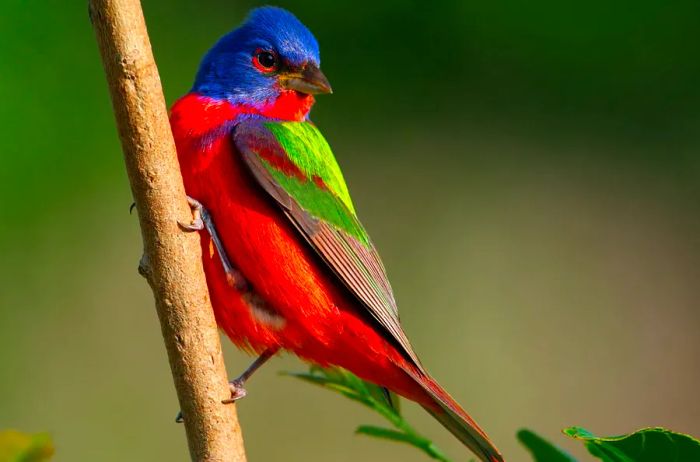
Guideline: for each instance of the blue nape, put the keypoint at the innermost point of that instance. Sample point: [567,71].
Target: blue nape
[227,70]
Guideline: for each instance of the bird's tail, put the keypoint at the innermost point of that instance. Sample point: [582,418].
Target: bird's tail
[451,415]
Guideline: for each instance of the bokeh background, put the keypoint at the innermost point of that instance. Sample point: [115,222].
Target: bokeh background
[528,170]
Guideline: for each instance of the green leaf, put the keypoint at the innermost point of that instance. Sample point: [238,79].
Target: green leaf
[333,381]
[646,445]
[375,398]
[23,447]
[425,444]
[541,449]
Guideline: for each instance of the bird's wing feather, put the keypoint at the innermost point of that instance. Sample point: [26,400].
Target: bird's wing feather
[295,166]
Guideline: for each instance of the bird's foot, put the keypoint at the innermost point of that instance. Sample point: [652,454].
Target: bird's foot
[238,391]
[197,223]
[236,386]
[201,219]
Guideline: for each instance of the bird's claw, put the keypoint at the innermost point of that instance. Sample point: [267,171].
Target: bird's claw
[197,223]
[238,391]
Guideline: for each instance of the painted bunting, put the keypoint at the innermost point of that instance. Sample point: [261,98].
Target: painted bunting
[288,264]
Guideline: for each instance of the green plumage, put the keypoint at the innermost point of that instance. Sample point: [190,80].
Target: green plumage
[293,163]
[322,191]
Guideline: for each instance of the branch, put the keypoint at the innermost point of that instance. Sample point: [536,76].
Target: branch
[172,261]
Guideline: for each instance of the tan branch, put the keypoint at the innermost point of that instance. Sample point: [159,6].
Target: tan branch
[172,258]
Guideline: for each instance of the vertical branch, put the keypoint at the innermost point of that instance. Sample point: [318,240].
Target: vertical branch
[172,258]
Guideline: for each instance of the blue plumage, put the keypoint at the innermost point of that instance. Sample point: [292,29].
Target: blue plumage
[227,70]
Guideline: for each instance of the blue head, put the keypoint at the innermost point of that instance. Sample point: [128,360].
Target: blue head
[270,54]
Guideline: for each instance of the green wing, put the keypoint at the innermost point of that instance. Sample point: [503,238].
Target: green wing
[312,177]
[294,164]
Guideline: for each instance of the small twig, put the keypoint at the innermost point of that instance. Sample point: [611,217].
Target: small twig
[172,258]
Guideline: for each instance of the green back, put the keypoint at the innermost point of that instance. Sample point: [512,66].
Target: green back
[321,189]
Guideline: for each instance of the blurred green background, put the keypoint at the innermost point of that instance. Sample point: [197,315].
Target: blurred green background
[528,170]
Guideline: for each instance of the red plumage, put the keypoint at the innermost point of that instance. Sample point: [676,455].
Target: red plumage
[322,323]
[310,313]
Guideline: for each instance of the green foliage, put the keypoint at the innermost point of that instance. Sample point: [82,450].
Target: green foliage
[377,399]
[646,445]
[541,449]
[23,447]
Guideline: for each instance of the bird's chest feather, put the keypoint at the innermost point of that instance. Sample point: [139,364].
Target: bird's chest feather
[256,235]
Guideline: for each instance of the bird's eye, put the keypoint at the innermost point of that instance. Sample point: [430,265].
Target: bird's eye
[265,61]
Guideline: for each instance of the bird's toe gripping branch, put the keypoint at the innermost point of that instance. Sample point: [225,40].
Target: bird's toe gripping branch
[201,219]
[238,391]
[237,386]
[197,223]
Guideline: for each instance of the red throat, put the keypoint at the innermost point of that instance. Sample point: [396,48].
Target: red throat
[202,114]
[290,105]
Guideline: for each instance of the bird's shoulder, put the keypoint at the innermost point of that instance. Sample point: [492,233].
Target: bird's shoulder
[299,160]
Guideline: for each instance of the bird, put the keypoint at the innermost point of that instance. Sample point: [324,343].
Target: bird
[288,264]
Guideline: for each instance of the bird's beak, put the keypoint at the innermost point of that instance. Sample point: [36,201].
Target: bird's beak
[309,80]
